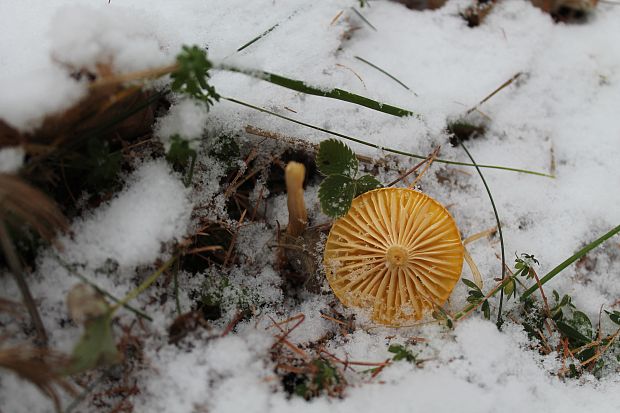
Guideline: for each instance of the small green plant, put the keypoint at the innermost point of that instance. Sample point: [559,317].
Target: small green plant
[476,297]
[191,76]
[339,164]
[322,377]
[402,353]
[523,268]
[182,156]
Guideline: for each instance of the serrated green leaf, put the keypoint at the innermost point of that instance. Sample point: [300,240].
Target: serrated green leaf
[96,347]
[191,76]
[336,194]
[366,183]
[335,157]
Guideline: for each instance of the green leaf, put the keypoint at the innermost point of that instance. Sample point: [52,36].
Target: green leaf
[401,353]
[572,333]
[470,284]
[336,194]
[366,183]
[614,316]
[582,323]
[510,288]
[180,154]
[96,347]
[335,157]
[486,310]
[191,76]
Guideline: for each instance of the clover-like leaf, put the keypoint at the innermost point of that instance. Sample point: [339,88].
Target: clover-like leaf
[335,157]
[336,194]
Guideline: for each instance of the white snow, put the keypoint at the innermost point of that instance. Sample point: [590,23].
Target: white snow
[11,159]
[187,119]
[561,112]
[154,208]
[32,95]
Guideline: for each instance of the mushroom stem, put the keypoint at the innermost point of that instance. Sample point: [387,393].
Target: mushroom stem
[294,175]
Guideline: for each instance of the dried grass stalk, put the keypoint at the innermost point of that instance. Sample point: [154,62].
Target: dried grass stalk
[20,203]
[41,367]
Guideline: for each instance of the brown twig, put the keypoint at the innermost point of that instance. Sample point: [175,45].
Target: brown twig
[415,168]
[236,320]
[231,247]
[502,86]
[429,162]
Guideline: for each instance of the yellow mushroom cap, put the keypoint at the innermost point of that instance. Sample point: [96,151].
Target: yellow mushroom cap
[396,251]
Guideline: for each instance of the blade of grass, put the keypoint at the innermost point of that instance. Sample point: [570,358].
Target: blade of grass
[372,145]
[257,38]
[385,73]
[100,290]
[499,230]
[266,32]
[571,260]
[336,93]
[364,19]
[145,284]
[177,301]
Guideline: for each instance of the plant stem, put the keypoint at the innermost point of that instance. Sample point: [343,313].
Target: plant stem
[100,290]
[364,19]
[145,284]
[257,38]
[385,73]
[571,260]
[372,145]
[18,274]
[499,230]
[176,287]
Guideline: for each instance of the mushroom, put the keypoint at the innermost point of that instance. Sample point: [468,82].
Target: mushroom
[294,175]
[397,251]
[298,244]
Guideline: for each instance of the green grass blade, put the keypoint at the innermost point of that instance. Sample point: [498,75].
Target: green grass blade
[570,260]
[100,290]
[146,284]
[385,73]
[364,19]
[383,148]
[338,94]
[266,32]
[499,230]
[257,38]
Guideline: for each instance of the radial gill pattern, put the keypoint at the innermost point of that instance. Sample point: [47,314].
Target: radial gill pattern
[396,251]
